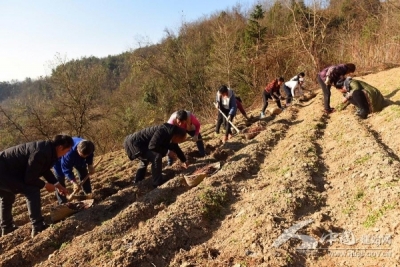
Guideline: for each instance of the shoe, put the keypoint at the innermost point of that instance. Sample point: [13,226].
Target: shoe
[224,139]
[7,230]
[36,229]
[330,110]
[262,116]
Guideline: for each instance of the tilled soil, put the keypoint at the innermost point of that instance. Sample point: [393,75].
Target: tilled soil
[336,174]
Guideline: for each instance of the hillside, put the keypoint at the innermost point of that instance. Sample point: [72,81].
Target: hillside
[340,172]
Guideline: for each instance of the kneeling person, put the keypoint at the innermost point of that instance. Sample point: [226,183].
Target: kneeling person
[365,97]
[79,157]
[150,145]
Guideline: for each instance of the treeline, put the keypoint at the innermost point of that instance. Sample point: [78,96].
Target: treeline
[106,99]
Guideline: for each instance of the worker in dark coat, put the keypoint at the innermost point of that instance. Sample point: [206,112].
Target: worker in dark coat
[150,145]
[21,167]
[364,96]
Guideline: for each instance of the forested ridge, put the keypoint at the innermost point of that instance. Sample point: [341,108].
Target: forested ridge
[104,99]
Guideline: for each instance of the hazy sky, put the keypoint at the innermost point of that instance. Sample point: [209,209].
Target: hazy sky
[32,33]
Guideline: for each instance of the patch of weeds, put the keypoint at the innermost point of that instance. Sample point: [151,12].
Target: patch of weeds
[349,210]
[360,194]
[374,216]
[63,245]
[284,170]
[362,159]
[351,203]
[212,201]
[273,169]
[258,223]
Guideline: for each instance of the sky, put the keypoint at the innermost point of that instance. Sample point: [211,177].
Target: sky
[34,33]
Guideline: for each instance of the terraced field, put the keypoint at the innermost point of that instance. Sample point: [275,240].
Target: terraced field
[336,174]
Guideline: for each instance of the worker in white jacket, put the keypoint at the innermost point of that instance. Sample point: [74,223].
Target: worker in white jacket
[291,86]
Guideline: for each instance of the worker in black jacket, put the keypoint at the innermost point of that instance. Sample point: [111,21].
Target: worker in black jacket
[150,145]
[21,167]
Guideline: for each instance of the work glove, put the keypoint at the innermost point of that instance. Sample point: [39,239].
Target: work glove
[230,118]
[216,105]
[195,138]
[61,189]
[91,169]
[328,81]
[75,185]
[185,165]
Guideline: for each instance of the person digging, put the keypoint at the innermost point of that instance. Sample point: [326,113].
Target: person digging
[150,145]
[21,167]
[79,157]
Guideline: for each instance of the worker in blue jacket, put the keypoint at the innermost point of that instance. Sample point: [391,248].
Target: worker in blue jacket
[79,157]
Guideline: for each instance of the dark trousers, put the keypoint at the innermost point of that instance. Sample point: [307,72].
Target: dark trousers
[200,146]
[359,100]
[7,199]
[288,93]
[221,119]
[86,187]
[33,201]
[156,167]
[267,96]
[327,93]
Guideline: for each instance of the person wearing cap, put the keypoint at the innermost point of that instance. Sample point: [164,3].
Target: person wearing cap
[188,121]
[330,76]
[79,157]
[272,91]
[364,96]
[291,86]
[21,167]
[226,102]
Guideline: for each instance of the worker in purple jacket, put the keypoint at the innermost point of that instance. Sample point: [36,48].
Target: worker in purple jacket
[330,76]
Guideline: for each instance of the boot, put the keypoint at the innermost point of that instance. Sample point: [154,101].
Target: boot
[7,230]
[262,116]
[36,229]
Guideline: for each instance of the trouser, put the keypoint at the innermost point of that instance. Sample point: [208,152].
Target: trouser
[156,167]
[267,96]
[359,100]
[221,119]
[199,143]
[288,93]
[86,187]
[327,93]
[7,199]
[33,202]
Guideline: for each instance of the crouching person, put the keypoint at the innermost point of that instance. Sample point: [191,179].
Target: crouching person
[186,120]
[79,157]
[150,145]
[20,170]
[365,97]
